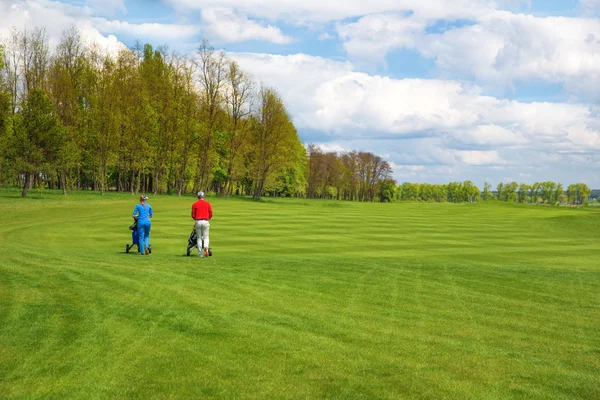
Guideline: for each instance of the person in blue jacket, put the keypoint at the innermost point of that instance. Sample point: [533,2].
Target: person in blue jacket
[142,213]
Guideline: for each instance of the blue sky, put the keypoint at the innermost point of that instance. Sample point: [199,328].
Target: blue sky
[461,89]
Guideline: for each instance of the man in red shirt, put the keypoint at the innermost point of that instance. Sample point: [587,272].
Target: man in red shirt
[202,213]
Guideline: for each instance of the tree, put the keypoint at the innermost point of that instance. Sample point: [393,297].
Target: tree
[274,139]
[411,191]
[36,142]
[387,190]
[190,126]
[487,192]
[315,163]
[27,66]
[35,53]
[578,193]
[212,70]
[559,196]
[238,96]
[535,192]
[548,192]
[510,191]
[584,193]
[102,119]
[349,171]
[522,195]
[500,189]
[66,75]
[470,192]
[4,112]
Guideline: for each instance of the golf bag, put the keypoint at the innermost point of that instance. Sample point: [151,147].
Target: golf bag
[193,243]
[135,240]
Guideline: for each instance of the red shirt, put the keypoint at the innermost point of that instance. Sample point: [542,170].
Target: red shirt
[201,210]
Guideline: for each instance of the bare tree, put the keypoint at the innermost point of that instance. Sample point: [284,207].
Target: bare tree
[212,69]
[238,101]
[35,59]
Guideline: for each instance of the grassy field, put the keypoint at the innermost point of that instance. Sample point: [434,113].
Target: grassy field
[301,300]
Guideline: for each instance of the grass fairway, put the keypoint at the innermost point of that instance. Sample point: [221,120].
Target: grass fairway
[302,299]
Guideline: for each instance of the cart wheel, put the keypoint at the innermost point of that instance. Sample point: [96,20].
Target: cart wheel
[210,252]
[189,251]
[149,249]
[126,248]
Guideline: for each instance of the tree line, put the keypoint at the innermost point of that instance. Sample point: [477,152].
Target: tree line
[551,193]
[143,120]
[542,193]
[147,120]
[360,176]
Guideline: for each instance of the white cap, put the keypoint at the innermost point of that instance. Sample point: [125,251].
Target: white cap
[200,194]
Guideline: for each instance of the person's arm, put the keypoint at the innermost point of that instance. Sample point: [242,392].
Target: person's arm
[150,211]
[135,212]
[193,212]
[209,211]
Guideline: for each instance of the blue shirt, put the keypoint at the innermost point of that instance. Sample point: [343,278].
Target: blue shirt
[143,214]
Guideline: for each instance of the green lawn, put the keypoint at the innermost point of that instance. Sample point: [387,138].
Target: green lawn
[301,300]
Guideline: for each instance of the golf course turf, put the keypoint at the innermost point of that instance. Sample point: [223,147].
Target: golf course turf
[303,299]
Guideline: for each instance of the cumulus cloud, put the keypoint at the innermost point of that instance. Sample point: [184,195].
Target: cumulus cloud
[332,148]
[590,6]
[372,37]
[107,8]
[476,157]
[30,14]
[507,47]
[145,31]
[424,122]
[318,11]
[496,49]
[226,25]
[490,136]
[55,17]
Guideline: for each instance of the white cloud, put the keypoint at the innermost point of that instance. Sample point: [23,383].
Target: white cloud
[498,49]
[407,170]
[309,11]
[308,74]
[474,157]
[331,148]
[583,138]
[107,8]
[422,122]
[56,16]
[225,25]
[326,36]
[490,135]
[505,47]
[590,5]
[146,31]
[372,37]
[30,14]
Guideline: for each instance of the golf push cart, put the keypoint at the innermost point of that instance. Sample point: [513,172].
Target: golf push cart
[193,243]
[135,241]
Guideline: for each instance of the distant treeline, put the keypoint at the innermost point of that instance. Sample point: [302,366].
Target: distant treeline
[147,120]
[456,192]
